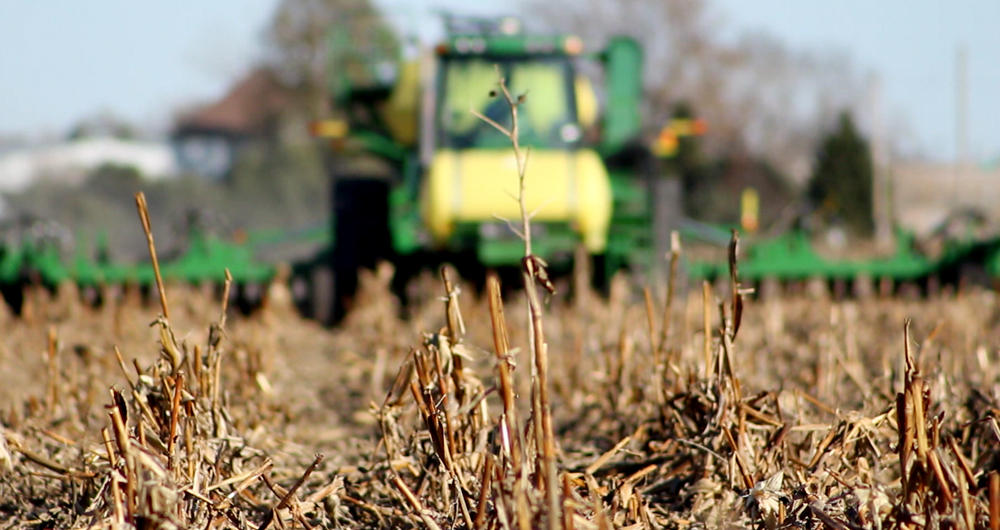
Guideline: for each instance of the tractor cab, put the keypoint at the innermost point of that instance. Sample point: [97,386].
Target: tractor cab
[472,172]
[547,116]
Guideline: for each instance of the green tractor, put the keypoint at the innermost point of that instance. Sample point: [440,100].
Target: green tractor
[436,182]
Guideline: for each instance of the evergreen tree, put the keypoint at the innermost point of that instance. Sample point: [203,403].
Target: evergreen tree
[841,183]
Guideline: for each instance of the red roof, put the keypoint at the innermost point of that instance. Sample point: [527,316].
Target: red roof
[249,107]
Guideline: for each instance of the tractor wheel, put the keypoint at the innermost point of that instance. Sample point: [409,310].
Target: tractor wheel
[361,233]
[321,294]
[12,294]
[973,275]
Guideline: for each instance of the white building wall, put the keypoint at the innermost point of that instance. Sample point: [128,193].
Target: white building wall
[71,161]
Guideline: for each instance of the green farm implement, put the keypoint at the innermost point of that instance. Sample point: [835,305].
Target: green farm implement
[418,178]
[791,258]
[38,254]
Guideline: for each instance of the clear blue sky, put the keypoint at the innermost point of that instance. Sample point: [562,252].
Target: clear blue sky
[62,60]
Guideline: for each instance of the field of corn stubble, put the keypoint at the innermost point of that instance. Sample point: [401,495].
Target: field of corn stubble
[812,414]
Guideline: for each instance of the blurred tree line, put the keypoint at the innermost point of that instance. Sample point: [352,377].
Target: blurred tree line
[768,107]
[273,185]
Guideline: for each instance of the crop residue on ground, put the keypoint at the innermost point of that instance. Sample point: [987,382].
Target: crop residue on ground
[815,414]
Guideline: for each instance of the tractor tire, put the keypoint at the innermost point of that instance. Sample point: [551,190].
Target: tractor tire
[322,294]
[972,275]
[361,233]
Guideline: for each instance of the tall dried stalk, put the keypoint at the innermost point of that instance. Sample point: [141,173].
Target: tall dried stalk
[675,254]
[140,204]
[510,437]
[532,270]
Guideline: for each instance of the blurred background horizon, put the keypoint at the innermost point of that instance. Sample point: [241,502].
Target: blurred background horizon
[205,104]
[65,63]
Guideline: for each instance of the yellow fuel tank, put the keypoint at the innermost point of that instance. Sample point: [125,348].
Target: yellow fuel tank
[481,184]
